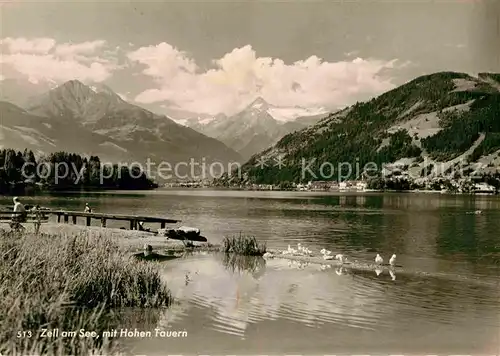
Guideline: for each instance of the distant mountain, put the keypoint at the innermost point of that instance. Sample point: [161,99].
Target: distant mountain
[182,116]
[75,100]
[19,130]
[99,116]
[444,122]
[251,130]
[18,91]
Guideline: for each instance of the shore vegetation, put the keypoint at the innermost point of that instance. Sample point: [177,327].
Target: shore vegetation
[74,284]
[243,245]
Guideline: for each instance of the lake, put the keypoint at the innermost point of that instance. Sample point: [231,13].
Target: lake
[257,306]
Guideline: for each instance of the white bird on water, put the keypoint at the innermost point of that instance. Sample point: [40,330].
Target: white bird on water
[268,255]
[340,257]
[392,261]
[327,255]
[325,252]
[379,260]
[291,250]
[303,250]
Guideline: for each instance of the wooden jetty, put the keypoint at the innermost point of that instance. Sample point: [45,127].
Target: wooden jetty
[134,220]
[63,215]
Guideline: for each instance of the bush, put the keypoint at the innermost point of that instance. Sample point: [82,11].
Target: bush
[243,245]
[68,283]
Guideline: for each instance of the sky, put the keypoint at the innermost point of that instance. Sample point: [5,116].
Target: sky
[212,57]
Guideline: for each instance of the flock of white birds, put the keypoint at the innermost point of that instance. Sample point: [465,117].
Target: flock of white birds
[327,255]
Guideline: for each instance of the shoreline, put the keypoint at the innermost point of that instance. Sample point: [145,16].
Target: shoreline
[218,188]
[28,192]
[347,191]
[132,241]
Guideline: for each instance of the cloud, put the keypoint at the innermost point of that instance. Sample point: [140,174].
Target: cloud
[240,76]
[163,61]
[44,60]
[23,45]
[69,49]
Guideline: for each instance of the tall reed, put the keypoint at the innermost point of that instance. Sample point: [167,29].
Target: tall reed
[54,281]
[243,245]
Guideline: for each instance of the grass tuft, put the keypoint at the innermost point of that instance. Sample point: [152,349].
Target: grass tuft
[243,245]
[54,281]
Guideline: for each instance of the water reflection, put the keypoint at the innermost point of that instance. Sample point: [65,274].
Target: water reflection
[324,267]
[228,295]
[309,292]
[340,271]
[297,293]
[255,265]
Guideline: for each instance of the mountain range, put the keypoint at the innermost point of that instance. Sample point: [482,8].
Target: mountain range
[444,122]
[255,128]
[94,120]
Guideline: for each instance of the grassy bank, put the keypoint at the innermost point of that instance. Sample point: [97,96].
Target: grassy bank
[55,281]
[130,240]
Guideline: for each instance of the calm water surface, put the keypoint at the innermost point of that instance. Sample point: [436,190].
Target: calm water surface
[250,306]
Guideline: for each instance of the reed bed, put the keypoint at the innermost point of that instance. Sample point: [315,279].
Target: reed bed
[243,245]
[69,283]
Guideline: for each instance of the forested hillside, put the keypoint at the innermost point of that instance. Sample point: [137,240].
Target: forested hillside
[20,171]
[437,117]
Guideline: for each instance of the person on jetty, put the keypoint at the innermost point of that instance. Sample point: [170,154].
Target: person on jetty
[87,208]
[141,227]
[20,215]
[38,217]
[20,210]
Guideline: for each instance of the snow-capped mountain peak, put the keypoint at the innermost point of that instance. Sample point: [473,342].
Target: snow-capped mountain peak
[280,113]
[258,105]
[285,114]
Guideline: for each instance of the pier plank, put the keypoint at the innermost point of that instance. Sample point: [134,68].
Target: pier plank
[103,217]
[151,219]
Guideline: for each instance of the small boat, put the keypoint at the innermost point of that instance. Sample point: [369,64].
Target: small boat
[154,257]
[183,233]
[149,255]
